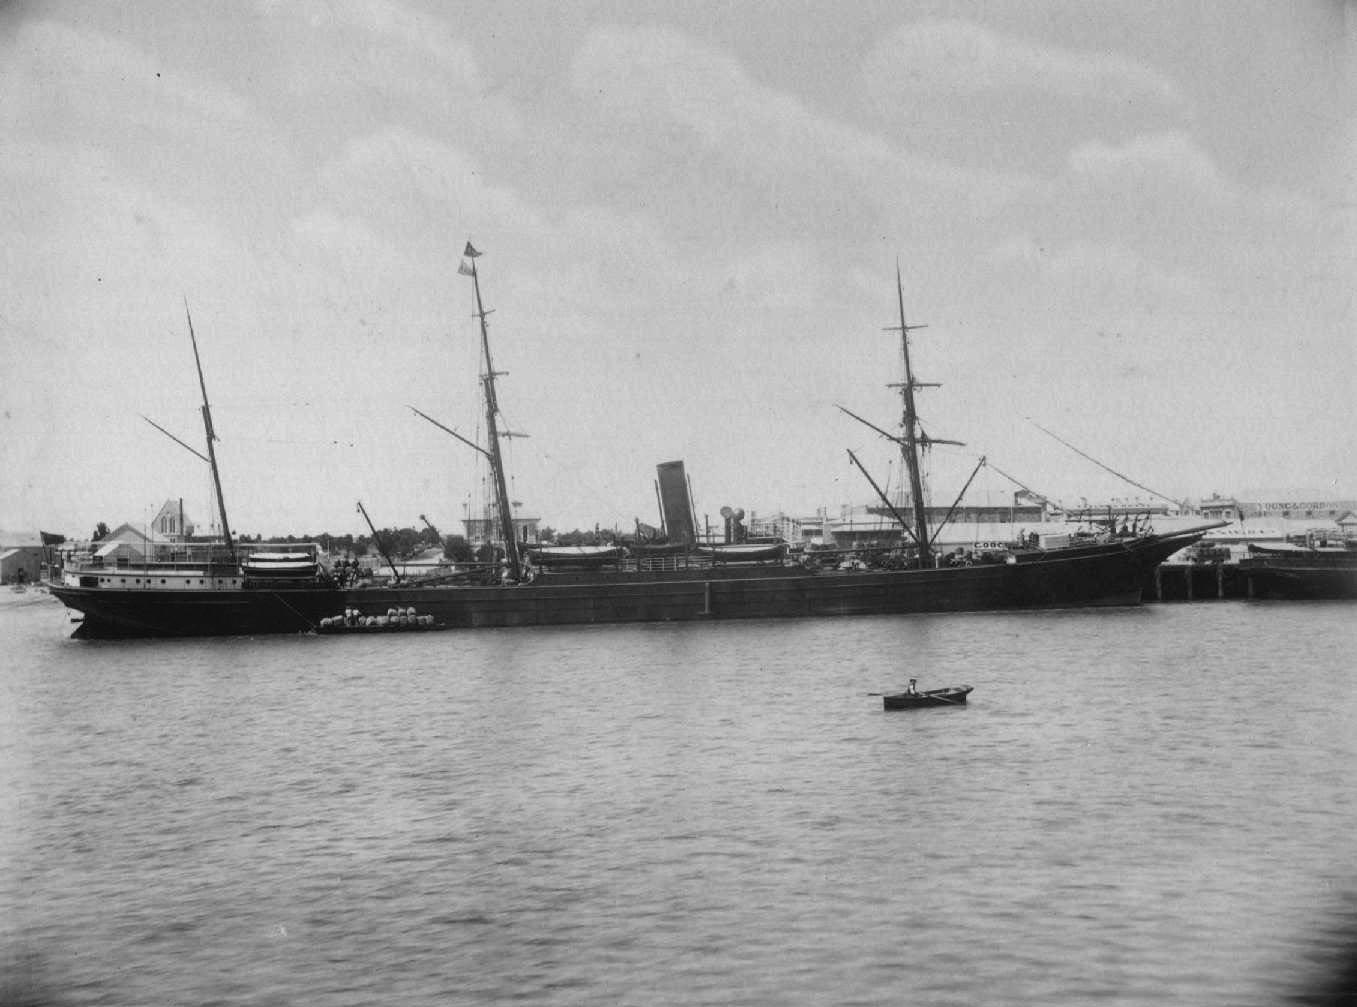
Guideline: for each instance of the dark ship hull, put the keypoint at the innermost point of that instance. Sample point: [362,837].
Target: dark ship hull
[1301,574]
[1111,573]
[115,614]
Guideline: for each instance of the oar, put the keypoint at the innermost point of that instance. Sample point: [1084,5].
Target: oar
[921,695]
[933,695]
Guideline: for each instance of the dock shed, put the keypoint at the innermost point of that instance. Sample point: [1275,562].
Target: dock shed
[21,557]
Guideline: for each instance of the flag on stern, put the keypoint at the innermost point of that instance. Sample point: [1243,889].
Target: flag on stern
[470,251]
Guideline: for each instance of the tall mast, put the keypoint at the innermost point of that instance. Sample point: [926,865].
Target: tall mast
[506,517]
[909,446]
[211,437]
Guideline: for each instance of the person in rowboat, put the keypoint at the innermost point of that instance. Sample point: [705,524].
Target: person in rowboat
[911,690]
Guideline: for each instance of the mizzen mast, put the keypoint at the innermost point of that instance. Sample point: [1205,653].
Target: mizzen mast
[506,518]
[211,437]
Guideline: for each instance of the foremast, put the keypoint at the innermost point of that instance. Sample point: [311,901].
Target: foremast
[494,454]
[915,439]
[909,444]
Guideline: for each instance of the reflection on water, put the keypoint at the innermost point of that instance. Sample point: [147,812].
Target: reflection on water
[1138,806]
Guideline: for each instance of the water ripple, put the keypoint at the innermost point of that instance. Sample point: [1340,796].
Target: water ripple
[710,814]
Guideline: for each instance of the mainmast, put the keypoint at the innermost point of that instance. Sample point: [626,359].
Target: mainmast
[506,517]
[211,437]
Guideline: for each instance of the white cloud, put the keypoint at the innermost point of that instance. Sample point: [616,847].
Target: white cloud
[1163,157]
[116,249]
[1109,277]
[382,58]
[959,59]
[650,78]
[1165,194]
[396,23]
[397,170]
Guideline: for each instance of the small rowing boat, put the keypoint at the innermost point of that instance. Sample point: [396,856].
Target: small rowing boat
[952,695]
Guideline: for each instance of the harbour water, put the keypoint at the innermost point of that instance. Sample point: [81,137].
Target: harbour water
[1139,806]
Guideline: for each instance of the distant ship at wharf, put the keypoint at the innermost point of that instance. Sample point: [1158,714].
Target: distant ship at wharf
[1292,572]
[1282,548]
[236,591]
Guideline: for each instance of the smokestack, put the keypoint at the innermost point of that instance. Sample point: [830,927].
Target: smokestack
[674,505]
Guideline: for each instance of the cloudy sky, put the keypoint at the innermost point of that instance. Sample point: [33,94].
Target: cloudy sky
[1132,224]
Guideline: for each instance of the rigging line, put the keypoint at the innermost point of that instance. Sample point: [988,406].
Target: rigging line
[1020,485]
[868,423]
[300,615]
[957,502]
[1100,465]
[191,450]
[885,500]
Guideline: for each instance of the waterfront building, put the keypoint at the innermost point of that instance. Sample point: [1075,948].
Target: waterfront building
[1123,510]
[480,530]
[792,530]
[21,557]
[1299,509]
[1281,520]
[172,523]
[1272,504]
[123,546]
[1219,508]
[861,527]
[982,520]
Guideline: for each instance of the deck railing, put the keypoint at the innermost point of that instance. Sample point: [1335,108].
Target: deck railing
[185,556]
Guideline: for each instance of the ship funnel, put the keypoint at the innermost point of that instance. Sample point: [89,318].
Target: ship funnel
[675,503]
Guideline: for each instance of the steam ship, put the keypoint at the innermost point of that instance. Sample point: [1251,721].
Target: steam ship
[273,590]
